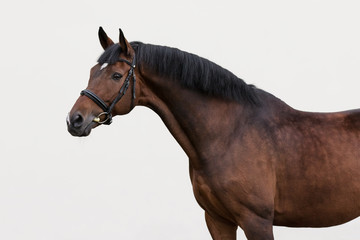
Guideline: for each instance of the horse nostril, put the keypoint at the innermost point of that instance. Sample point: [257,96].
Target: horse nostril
[77,120]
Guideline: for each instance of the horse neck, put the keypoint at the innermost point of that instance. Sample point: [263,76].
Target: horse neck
[198,122]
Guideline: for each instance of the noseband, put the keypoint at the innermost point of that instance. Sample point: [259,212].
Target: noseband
[107,109]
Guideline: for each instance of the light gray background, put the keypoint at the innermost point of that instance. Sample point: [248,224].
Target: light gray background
[130,180]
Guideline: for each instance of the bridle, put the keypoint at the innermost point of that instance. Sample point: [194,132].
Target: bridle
[107,109]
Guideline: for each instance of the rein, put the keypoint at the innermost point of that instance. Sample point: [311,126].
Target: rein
[107,109]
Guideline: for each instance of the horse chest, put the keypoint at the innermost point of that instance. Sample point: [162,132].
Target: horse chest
[207,197]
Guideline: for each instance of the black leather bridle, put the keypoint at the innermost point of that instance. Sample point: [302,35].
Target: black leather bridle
[107,109]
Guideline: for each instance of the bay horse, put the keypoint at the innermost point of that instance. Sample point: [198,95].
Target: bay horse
[254,161]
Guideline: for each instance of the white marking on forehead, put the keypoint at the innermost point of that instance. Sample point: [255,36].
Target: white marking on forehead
[103,66]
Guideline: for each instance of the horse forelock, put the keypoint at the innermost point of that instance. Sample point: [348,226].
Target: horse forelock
[110,55]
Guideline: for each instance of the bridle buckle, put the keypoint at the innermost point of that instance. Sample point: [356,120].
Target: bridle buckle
[107,120]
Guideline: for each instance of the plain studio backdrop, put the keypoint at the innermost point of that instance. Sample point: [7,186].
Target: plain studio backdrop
[130,180]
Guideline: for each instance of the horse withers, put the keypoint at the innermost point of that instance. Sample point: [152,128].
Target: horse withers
[255,162]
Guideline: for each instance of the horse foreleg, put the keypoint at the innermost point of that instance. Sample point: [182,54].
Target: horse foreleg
[257,228]
[219,229]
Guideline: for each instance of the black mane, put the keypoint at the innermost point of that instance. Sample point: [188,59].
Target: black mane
[191,71]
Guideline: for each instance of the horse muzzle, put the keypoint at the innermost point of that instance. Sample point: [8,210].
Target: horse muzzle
[78,125]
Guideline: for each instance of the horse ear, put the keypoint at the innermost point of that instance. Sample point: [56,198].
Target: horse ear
[105,41]
[124,44]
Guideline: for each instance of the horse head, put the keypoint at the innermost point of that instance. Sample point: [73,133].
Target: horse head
[109,81]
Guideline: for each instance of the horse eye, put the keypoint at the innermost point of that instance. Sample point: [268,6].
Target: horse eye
[116,76]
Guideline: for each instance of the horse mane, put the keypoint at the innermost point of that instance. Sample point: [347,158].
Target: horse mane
[190,70]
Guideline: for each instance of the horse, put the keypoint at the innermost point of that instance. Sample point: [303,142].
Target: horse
[254,161]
